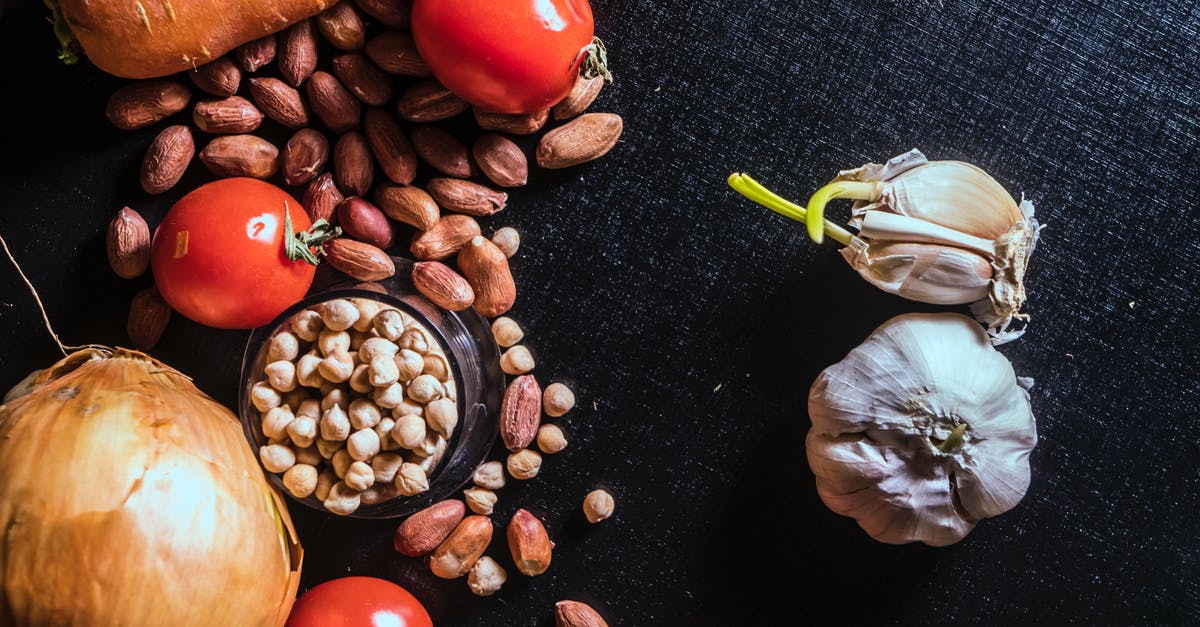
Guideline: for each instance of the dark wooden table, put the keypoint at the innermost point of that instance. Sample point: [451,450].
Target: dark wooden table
[691,323]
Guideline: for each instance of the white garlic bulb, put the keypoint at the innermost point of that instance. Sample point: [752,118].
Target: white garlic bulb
[941,232]
[921,431]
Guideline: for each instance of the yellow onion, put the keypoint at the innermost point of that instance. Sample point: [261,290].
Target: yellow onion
[128,498]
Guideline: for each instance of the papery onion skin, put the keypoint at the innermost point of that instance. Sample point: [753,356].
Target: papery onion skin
[128,497]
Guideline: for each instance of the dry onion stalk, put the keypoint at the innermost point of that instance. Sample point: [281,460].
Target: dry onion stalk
[941,232]
[128,497]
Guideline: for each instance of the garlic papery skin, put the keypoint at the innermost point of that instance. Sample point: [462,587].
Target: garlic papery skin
[921,431]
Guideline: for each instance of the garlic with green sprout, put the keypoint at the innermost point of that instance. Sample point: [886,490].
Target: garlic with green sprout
[921,431]
[941,232]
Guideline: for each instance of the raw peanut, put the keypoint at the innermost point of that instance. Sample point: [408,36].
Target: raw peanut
[425,530]
[396,53]
[581,96]
[390,146]
[342,26]
[408,204]
[331,102]
[501,160]
[219,77]
[240,155]
[363,79]
[466,197]
[520,412]
[364,222]
[486,269]
[459,552]
[128,244]
[576,614]
[359,260]
[167,159]
[444,238]
[280,101]
[390,13]
[304,157]
[228,116]
[429,101]
[321,198]
[514,124]
[583,139]
[442,285]
[148,318]
[145,102]
[297,53]
[529,544]
[255,54]
[442,150]
[353,167]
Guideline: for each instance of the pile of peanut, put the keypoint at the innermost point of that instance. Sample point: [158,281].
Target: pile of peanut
[357,404]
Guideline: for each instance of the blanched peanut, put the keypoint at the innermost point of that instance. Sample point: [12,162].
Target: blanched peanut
[506,331]
[389,396]
[386,465]
[300,480]
[384,371]
[264,397]
[424,389]
[337,367]
[524,464]
[436,366]
[411,480]
[516,360]
[550,439]
[360,476]
[489,475]
[342,499]
[442,416]
[281,375]
[277,457]
[409,431]
[325,481]
[360,379]
[480,500]
[306,371]
[363,444]
[367,308]
[285,346]
[409,364]
[414,339]
[341,463]
[364,414]
[276,421]
[308,455]
[339,314]
[307,325]
[376,347]
[557,399]
[330,341]
[389,324]
[336,396]
[335,424]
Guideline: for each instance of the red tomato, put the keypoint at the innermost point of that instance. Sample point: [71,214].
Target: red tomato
[218,256]
[512,56]
[358,602]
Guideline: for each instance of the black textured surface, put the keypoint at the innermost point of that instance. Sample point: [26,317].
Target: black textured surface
[691,323]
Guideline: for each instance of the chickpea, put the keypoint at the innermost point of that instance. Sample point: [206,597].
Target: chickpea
[335,424]
[311,408]
[307,325]
[429,462]
[331,341]
[281,375]
[429,446]
[424,389]
[367,309]
[376,347]
[277,458]
[411,480]
[489,475]
[409,431]
[295,397]
[442,416]
[300,480]
[410,364]
[341,463]
[306,370]
[389,396]
[337,367]
[435,365]
[360,379]
[335,396]
[508,240]
[598,505]
[378,494]
[308,455]
[557,399]
[384,371]
[363,444]
[480,500]
[264,397]
[524,464]
[550,439]
[389,324]
[327,448]
[285,346]
[342,499]
[506,331]
[360,476]
[364,414]
[516,360]
[276,420]
[384,431]
[325,481]
[339,314]
[414,339]
[386,465]
[407,406]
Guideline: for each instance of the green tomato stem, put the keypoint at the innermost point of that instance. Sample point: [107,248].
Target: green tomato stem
[306,245]
[954,440]
[815,220]
[593,61]
[752,189]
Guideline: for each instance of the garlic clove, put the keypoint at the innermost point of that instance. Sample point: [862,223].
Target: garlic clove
[955,195]
[942,275]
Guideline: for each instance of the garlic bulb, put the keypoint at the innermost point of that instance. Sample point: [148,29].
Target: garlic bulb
[921,431]
[941,232]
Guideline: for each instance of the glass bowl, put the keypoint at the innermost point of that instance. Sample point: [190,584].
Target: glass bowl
[474,359]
